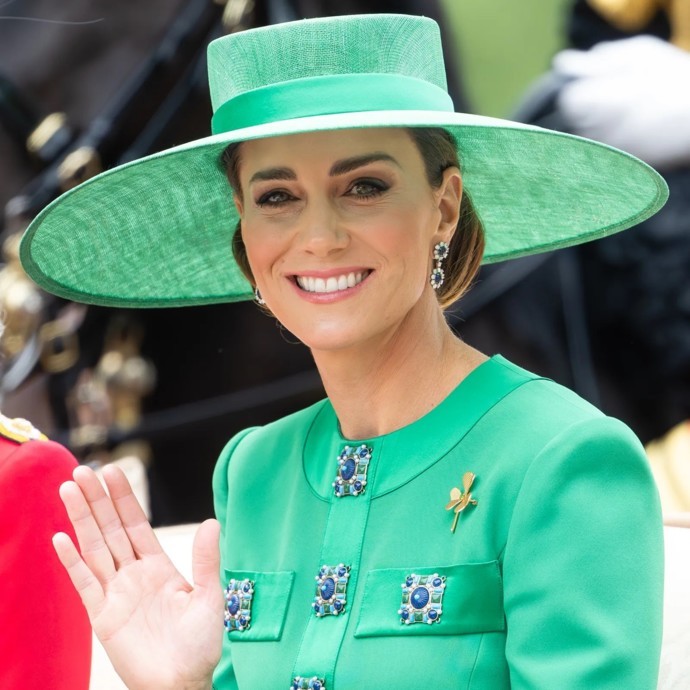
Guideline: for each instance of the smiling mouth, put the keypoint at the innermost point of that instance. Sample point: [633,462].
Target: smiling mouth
[332,284]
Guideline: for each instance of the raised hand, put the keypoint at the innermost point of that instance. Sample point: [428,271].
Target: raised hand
[159,631]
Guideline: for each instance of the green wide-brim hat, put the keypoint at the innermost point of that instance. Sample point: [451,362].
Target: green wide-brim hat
[158,231]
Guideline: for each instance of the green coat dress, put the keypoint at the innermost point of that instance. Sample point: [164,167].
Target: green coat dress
[553,580]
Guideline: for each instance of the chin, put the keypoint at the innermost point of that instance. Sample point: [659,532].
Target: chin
[329,337]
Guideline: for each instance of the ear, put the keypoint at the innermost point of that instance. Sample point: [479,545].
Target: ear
[448,200]
[238,204]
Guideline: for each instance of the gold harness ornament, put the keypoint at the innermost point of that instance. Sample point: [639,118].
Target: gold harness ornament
[19,430]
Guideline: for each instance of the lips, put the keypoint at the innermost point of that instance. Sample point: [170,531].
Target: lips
[336,283]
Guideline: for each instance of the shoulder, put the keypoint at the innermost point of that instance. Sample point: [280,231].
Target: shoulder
[545,412]
[543,424]
[295,425]
[260,442]
[26,453]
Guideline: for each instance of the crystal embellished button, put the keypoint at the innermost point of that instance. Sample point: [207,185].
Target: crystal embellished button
[331,590]
[422,598]
[239,595]
[353,464]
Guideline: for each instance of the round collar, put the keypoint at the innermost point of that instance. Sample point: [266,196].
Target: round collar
[403,454]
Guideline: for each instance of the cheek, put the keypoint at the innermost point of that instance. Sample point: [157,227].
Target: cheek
[263,247]
[404,237]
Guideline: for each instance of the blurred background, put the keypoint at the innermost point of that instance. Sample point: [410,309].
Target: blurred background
[85,86]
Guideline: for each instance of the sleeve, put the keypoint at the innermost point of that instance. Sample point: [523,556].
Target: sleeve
[583,565]
[224,676]
[48,640]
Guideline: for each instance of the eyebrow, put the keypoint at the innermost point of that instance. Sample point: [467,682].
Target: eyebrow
[349,164]
[338,168]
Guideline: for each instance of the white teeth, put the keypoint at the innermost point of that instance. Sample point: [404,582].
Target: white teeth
[332,284]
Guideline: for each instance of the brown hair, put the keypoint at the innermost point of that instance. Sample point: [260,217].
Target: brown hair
[439,152]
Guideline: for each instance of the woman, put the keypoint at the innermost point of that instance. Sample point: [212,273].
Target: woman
[444,519]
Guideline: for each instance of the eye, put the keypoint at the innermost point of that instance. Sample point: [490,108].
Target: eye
[366,188]
[274,198]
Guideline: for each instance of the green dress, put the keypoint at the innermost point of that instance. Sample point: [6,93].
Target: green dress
[552,580]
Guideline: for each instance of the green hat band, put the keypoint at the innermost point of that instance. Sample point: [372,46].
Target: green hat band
[341,93]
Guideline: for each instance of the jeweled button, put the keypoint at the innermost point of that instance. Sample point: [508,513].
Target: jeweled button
[331,590]
[239,595]
[420,597]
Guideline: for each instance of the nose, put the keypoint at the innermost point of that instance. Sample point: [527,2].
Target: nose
[322,231]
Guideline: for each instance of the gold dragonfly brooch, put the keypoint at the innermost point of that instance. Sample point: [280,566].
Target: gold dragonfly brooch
[459,500]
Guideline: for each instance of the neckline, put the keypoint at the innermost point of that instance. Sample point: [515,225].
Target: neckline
[409,428]
[402,454]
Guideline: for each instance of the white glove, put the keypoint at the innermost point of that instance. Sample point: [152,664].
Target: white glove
[633,94]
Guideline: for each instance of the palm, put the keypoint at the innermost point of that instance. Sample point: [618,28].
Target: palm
[157,629]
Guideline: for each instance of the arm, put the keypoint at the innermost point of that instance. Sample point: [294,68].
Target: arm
[50,640]
[583,566]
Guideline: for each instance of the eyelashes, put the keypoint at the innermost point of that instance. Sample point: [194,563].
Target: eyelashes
[366,188]
[274,199]
[361,189]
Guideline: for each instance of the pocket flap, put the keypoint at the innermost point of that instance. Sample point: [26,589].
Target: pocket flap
[269,604]
[472,601]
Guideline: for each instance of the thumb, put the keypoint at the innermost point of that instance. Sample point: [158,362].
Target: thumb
[206,558]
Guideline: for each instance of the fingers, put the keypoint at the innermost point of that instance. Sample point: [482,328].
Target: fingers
[206,560]
[106,516]
[95,551]
[139,531]
[84,581]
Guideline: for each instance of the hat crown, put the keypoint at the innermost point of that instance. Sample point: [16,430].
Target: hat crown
[357,44]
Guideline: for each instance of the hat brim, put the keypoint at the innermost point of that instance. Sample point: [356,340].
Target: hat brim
[157,232]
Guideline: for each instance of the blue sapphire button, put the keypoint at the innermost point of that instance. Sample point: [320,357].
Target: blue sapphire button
[420,597]
[433,614]
[347,470]
[437,582]
[327,588]
[234,604]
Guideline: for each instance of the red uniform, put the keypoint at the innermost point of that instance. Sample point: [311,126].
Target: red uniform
[45,636]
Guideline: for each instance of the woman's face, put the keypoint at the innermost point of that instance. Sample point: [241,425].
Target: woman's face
[339,229]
